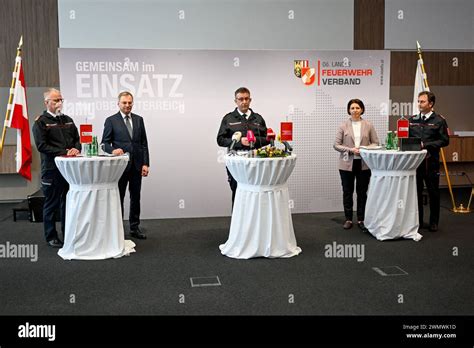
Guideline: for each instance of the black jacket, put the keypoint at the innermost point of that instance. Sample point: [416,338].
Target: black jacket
[53,137]
[234,122]
[116,136]
[433,133]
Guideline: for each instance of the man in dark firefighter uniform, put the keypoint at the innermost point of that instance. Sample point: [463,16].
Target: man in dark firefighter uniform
[433,131]
[242,119]
[55,135]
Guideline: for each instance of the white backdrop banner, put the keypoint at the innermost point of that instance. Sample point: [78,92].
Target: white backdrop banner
[183,95]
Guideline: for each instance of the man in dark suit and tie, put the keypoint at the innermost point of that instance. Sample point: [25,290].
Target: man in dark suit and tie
[125,132]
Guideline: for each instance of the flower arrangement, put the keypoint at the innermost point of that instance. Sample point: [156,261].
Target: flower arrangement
[271,151]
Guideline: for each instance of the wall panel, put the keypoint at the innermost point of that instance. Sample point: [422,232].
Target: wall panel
[369,24]
[37,21]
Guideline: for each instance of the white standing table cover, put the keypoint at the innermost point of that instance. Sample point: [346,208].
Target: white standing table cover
[391,211]
[94,226]
[261,223]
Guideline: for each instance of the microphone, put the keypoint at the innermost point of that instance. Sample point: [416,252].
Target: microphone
[288,147]
[271,137]
[257,127]
[59,114]
[235,139]
[251,138]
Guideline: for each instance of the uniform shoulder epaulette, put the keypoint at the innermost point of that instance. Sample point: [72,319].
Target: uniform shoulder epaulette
[37,118]
[441,116]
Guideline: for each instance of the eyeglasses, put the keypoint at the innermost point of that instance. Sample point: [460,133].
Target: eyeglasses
[242,99]
[60,100]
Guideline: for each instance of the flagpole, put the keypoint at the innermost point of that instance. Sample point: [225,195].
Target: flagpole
[427,88]
[10,99]
[425,77]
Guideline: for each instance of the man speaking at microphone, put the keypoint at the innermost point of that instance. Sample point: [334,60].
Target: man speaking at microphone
[242,119]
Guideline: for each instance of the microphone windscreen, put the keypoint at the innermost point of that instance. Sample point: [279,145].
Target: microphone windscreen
[250,136]
[236,136]
[270,134]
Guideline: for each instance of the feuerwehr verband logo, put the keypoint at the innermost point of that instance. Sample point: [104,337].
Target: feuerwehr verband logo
[304,72]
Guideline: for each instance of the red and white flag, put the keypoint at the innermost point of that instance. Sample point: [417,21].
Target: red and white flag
[420,85]
[19,120]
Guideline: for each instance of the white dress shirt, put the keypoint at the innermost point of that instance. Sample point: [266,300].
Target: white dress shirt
[356,128]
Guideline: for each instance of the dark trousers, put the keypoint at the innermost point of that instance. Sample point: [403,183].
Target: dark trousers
[54,188]
[362,178]
[428,172]
[133,178]
[232,184]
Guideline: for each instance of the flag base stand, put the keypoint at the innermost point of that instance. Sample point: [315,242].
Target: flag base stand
[461,210]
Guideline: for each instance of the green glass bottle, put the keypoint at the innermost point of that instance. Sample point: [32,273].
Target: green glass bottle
[88,149]
[395,141]
[389,141]
[94,146]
